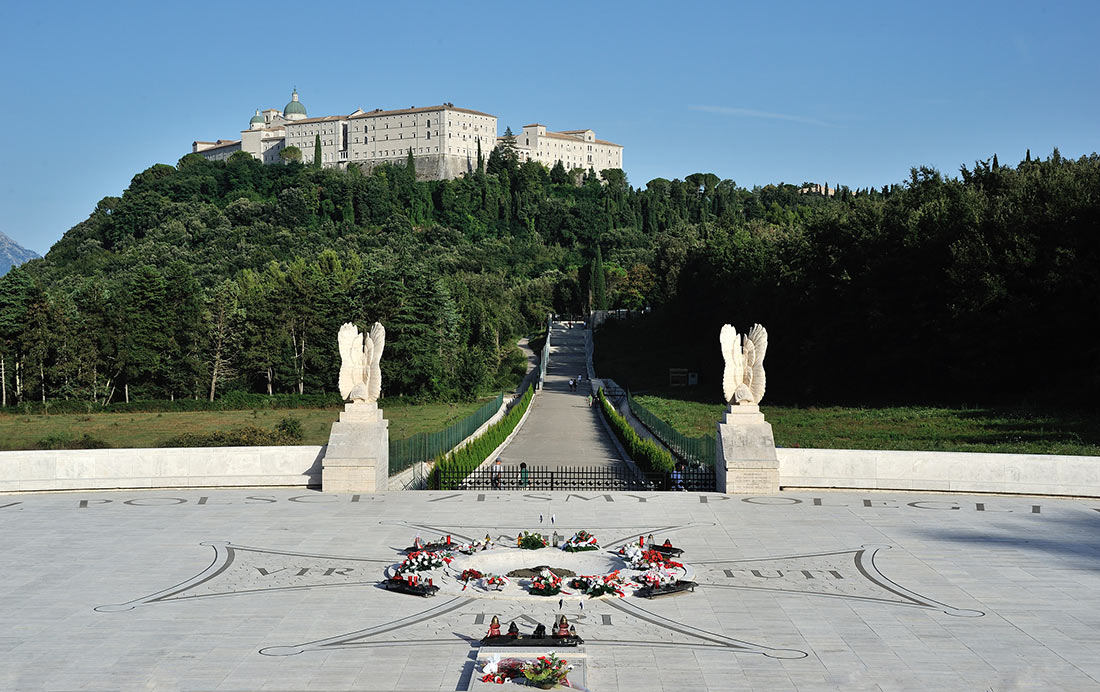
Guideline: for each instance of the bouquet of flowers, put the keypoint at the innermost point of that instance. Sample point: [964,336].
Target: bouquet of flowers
[495,581]
[546,583]
[423,561]
[581,540]
[501,671]
[468,574]
[656,576]
[547,671]
[599,585]
[640,558]
[531,541]
[471,548]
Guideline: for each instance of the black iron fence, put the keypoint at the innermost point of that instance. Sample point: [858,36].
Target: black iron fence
[595,478]
[698,450]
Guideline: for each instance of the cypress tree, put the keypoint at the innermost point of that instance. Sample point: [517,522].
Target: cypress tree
[317,151]
[599,282]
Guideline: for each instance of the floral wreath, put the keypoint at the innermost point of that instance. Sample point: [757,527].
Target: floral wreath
[424,561]
[581,541]
[545,583]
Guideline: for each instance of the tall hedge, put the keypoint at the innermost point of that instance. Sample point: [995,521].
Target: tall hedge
[646,453]
[468,458]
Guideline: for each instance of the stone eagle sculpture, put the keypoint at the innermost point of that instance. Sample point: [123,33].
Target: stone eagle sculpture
[743,379]
[360,374]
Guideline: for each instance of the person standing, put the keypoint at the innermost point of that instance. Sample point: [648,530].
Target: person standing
[495,473]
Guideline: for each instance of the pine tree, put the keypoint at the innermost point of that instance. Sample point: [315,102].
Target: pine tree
[317,151]
[558,174]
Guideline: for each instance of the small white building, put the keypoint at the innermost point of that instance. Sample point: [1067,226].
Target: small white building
[574,148]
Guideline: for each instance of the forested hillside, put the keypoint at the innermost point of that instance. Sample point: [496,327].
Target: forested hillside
[209,277]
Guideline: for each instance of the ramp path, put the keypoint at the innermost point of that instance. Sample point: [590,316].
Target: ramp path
[561,429]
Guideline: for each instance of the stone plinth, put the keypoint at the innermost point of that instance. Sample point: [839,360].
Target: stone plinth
[746,453]
[358,456]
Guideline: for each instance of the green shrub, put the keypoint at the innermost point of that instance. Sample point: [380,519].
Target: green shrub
[245,436]
[646,453]
[468,458]
[85,441]
[230,401]
[291,429]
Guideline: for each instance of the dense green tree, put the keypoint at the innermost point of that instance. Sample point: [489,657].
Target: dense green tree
[316,151]
[599,282]
[290,154]
[944,275]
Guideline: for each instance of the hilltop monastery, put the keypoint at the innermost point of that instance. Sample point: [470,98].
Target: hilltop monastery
[444,140]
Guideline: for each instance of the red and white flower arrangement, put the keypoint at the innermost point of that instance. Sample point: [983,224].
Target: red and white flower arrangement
[545,583]
[640,558]
[547,671]
[581,541]
[656,576]
[495,581]
[599,585]
[544,671]
[424,561]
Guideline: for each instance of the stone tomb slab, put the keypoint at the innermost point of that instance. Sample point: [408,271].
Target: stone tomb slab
[259,589]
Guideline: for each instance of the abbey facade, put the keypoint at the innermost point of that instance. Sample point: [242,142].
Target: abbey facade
[444,140]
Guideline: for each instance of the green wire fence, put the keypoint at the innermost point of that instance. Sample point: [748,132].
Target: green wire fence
[699,450]
[427,446]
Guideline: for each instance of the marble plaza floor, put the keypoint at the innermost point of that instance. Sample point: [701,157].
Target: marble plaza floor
[807,590]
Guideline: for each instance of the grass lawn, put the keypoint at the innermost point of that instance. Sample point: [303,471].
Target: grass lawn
[148,429]
[913,428]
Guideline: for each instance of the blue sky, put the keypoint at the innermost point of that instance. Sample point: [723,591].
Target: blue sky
[851,93]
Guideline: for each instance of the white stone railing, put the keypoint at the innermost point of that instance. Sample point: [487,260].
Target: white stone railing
[159,467]
[957,472]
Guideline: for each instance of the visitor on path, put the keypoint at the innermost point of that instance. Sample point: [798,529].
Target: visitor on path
[590,401]
[676,478]
[495,473]
[572,385]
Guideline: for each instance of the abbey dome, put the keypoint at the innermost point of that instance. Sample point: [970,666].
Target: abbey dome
[294,110]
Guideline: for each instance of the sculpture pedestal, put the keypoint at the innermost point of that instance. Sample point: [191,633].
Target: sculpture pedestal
[358,456]
[746,460]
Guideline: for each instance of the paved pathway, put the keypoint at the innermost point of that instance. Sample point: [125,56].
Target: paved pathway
[260,589]
[561,429]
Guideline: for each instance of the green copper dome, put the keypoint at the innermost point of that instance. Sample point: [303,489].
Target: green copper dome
[256,119]
[295,106]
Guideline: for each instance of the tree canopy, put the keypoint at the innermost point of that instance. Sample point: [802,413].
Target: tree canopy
[209,277]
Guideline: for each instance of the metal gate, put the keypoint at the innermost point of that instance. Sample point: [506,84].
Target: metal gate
[577,478]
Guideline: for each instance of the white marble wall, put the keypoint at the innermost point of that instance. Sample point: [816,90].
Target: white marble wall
[964,472]
[86,469]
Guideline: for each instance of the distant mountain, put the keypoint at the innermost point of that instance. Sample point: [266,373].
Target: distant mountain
[13,254]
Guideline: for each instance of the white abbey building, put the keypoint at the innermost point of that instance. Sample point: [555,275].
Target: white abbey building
[444,140]
[574,148]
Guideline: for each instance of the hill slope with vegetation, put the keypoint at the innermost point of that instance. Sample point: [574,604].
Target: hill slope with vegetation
[209,277]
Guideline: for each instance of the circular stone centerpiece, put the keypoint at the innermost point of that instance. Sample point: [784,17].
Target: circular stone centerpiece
[560,562]
[523,564]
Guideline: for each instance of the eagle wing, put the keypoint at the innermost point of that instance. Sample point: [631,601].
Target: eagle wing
[373,365]
[351,345]
[759,338]
[735,367]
